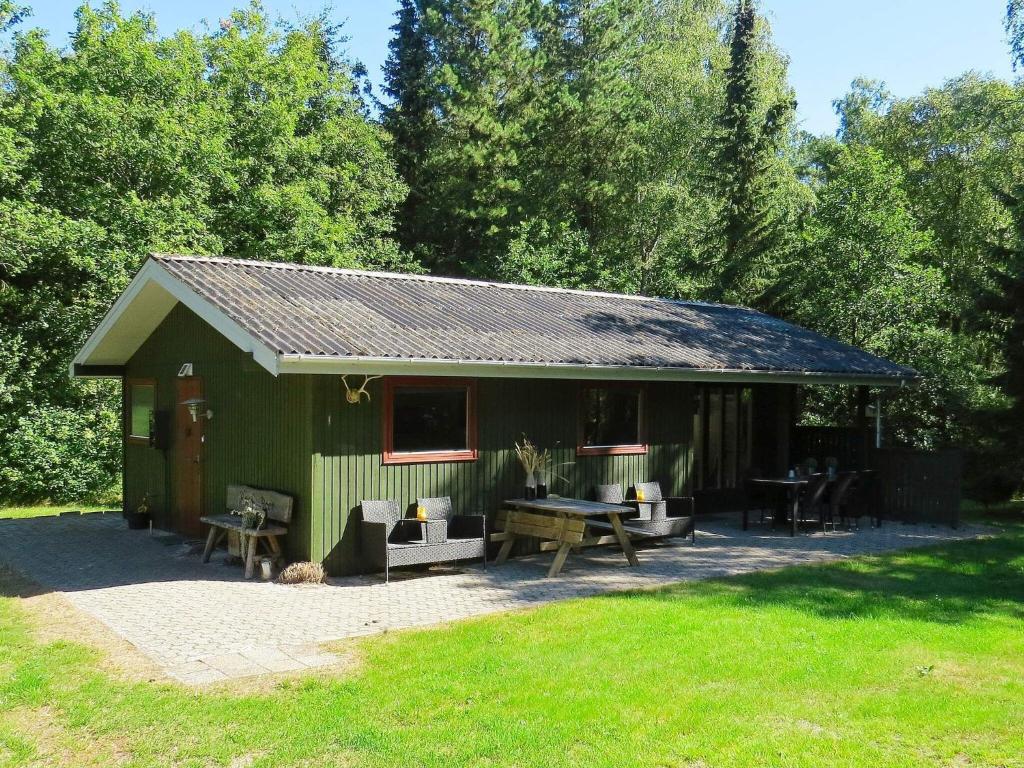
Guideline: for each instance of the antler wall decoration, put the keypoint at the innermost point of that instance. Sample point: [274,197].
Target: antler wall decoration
[354,396]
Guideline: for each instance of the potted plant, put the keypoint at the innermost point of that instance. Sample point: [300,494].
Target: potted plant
[253,515]
[138,520]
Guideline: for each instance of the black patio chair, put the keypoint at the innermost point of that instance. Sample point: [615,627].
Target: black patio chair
[864,497]
[391,540]
[839,498]
[813,501]
[756,497]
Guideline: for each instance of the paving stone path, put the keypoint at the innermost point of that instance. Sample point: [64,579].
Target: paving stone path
[204,623]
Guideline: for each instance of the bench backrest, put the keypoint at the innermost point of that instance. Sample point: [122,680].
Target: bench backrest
[437,507]
[279,506]
[609,494]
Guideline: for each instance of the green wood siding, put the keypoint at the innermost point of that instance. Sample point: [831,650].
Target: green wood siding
[348,438]
[298,435]
[259,434]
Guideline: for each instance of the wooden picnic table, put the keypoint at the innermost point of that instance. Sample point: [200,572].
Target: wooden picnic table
[564,521]
[792,486]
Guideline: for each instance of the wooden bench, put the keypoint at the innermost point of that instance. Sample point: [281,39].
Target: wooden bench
[279,514]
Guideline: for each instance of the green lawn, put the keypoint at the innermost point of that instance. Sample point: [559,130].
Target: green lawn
[913,659]
[45,510]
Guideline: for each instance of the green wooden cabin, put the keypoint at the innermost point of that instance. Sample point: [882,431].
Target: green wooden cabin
[335,386]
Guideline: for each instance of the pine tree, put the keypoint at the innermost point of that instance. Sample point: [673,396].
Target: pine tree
[996,462]
[750,141]
[409,116]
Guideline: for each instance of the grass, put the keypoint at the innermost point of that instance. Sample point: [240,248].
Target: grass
[46,510]
[911,659]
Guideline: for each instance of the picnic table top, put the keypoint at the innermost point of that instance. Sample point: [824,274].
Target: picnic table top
[573,507]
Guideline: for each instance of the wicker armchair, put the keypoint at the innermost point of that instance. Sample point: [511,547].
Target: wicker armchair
[391,540]
[662,515]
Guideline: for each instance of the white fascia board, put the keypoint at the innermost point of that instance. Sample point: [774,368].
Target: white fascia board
[153,272]
[322,364]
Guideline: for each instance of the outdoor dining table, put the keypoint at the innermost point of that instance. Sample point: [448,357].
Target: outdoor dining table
[792,486]
[564,521]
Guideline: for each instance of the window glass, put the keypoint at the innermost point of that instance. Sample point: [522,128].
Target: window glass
[611,417]
[698,439]
[724,448]
[429,419]
[141,400]
[714,444]
[730,438]
[746,433]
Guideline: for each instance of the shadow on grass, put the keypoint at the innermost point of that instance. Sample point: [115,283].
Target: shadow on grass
[950,583]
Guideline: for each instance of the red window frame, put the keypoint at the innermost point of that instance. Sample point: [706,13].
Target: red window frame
[612,450]
[390,456]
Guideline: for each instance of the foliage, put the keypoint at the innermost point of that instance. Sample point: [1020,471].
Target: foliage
[864,276]
[248,140]
[644,146]
[61,454]
[1015,30]
[559,142]
[1001,450]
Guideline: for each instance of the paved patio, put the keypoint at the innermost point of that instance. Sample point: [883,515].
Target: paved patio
[204,623]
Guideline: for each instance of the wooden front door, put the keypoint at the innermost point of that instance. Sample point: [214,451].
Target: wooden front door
[188,458]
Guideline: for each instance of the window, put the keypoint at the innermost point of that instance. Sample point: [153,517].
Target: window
[141,402]
[611,421]
[722,437]
[429,420]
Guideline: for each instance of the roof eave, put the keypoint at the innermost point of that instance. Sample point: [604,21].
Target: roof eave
[383,366]
[153,272]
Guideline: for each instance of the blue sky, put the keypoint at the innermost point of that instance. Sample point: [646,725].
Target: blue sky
[910,44]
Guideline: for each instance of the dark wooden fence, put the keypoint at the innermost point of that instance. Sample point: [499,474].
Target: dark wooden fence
[911,485]
[819,443]
[919,486]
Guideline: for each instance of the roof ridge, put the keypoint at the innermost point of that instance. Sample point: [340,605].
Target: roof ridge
[447,280]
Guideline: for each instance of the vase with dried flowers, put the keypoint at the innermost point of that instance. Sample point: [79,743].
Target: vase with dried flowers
[539,467]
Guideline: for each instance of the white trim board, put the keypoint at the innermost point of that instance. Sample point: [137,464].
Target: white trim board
[323,364]
[147,300]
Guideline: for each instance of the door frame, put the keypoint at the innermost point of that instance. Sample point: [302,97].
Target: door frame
[186,517]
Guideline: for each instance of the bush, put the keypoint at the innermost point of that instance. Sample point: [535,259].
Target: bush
[60,455]
[989,479]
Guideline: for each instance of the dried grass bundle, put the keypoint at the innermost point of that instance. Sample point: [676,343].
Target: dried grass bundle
[302,573]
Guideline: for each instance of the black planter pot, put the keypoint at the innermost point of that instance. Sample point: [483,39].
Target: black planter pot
[531,492]
[137,521]
[542,490]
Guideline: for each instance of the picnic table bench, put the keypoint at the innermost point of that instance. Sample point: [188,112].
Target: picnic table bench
[563,524]
[279,514]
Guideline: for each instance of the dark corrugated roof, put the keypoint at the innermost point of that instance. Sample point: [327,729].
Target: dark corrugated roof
[301,310]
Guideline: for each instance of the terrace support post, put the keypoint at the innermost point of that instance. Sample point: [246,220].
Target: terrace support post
[862,425]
